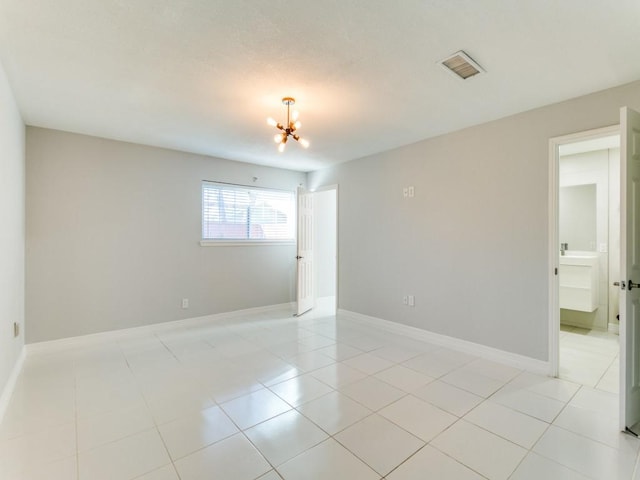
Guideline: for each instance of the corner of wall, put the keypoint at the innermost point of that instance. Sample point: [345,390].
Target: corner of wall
[12,241]
[10,385]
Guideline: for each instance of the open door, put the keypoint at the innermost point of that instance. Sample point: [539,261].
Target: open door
[304,288]
[629,270]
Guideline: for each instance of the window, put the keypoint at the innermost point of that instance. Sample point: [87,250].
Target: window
[237,213]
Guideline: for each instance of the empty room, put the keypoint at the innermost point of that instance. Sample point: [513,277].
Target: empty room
[319,240]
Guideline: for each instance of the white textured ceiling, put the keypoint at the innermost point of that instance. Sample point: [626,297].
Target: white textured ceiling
[202,75]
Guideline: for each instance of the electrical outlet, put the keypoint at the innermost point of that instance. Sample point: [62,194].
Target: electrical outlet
[405,300]
[16,329]
[410,191]
[412,301]
[185,303]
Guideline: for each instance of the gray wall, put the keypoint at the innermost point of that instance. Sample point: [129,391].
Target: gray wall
[324,247]
[113,234]
[12,215]
[472,245]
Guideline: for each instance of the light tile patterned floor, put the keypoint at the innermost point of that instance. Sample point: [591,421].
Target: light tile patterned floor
[272,397]
[590,357]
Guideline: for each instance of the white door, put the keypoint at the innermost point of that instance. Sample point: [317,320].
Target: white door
[629,268]
[304,290]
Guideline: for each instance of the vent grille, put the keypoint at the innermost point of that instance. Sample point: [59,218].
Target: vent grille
[462,65]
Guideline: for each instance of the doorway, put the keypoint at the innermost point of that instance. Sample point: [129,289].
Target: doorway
[585,233]
[325,249]
[629,263]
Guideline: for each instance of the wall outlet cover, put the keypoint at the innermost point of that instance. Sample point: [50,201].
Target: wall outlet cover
[185,303]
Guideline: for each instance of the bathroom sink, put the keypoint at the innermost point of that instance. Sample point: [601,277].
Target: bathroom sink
[580,259]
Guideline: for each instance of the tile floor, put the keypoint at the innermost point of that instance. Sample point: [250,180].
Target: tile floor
[590,357]
[272,397]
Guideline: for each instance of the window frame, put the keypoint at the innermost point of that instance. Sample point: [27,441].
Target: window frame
[230,242]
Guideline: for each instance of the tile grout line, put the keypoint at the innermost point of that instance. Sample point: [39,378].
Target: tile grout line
[155,425]
[367,375]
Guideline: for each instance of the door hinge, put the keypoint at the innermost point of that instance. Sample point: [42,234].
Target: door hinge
[555,271]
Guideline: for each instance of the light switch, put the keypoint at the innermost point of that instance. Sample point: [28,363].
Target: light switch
[410,192]
[412,301]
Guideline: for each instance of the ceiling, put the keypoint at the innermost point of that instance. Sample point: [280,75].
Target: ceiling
[202,75]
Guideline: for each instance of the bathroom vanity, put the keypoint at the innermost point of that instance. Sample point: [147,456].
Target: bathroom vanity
[579,281]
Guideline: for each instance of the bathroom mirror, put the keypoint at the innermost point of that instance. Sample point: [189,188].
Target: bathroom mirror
[578,216]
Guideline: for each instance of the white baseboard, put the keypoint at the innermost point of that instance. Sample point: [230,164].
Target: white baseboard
[501,356]
[7,391]
[113,335]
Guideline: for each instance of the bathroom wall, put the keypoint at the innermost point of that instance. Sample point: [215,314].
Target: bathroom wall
[587,169]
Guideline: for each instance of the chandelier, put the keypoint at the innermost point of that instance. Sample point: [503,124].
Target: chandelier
[289,130]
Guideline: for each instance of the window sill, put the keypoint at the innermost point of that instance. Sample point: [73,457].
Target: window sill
[246,243]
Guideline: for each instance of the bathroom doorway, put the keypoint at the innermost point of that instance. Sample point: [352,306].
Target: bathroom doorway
[586,177]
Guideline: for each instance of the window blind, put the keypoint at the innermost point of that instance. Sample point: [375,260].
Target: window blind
[237,212]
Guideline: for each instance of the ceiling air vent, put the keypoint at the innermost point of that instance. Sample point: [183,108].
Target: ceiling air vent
[462,65]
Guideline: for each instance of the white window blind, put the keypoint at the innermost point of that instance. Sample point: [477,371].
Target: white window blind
[236,212]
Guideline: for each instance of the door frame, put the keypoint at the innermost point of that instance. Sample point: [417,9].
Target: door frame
[325,188]
[554,236]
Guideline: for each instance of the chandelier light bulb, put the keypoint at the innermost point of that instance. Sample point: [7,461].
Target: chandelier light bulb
[295,115]
[272,122]
[277,138]
[304,143]
[297,124]
[281,147]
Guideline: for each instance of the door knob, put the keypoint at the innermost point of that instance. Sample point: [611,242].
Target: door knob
[622,285]
[633,285]
[298,257]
